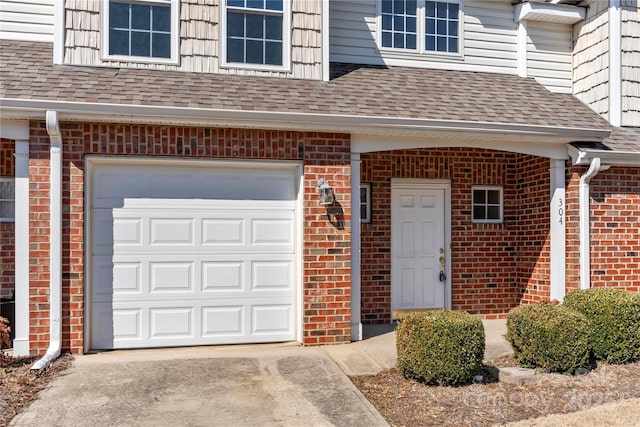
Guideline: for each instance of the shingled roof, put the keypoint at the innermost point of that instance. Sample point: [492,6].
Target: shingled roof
[27,73]
[625,139]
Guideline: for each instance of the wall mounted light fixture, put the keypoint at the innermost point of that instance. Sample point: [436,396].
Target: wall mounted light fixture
[325,193]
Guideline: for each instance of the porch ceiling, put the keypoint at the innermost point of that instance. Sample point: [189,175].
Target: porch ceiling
[359,99]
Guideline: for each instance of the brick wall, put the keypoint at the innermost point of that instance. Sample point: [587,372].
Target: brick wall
[326,249]
[615,228]
[494,266]
[7,234]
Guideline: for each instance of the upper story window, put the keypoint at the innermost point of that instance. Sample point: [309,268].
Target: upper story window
[141,30]
[421,25]
[255,33]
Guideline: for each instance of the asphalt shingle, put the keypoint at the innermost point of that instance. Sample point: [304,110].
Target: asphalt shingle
[27,72]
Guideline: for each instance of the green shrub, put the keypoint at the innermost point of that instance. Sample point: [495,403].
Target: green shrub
[614,318]
[440,347]
[551,337]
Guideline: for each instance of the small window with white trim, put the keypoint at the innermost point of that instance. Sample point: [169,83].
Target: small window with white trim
[255,33]
[7,199]
[365,203]
[487,204]
[140,30]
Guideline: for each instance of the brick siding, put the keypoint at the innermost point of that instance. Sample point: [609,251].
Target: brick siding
[326,250]
[495,267]
[7,229]
[615,228]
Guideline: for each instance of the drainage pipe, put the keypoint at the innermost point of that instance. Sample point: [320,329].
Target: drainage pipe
[55,243]
[585,224]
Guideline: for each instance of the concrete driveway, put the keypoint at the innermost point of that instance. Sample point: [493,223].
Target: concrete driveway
[246,385]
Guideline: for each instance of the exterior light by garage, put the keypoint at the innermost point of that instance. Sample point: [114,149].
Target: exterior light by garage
[325,193]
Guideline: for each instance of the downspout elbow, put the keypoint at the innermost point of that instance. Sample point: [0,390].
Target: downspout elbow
[55,251]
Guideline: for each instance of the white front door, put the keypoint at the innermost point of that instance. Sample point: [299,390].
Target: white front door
[418,245]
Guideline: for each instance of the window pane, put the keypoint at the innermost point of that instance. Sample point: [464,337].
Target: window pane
[140,17]
[255,4]
[411,25]
[398,40]
[118,15]
[493,212]
[493,197]
[453,11]
[386,39]
[235,24]
[161,18]
[235,50]
[140,44]
[411,7]
[274,5]
[235,3]
[411,41]
[255,27]
[161,45]
[7,190]
[453,28]
[431,9]
[7,209]
[398,23]
[273,27]
[479,197]
[431,26]
[363,211]
[453,44]
[430,43]
[478,212]
[363,195]
[273,53]
[386,22]
[118,42]
[254,51]
[441,44]
[387,6]
[441,27]
[441,10]
[398,6]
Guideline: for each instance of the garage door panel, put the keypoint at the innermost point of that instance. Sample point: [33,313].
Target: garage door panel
[172,267]
[171,277]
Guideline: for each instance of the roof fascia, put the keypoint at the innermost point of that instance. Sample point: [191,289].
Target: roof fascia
[583,157]
[102,112]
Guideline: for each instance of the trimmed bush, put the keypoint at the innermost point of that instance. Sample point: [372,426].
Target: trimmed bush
[614,317]
[440,347]
[552,337]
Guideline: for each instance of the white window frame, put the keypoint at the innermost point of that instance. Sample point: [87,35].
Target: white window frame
[366,219]
[13,181]
[498,188]
[421,33]
[175,35]
[286,41]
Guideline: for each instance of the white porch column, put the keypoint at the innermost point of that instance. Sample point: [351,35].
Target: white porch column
[19,132]
[558,227]
[356,324]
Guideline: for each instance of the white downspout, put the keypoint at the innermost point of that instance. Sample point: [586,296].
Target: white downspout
[585,225]
[356,324]
[55,242]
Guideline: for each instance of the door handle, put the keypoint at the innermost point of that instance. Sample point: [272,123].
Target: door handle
[443,276]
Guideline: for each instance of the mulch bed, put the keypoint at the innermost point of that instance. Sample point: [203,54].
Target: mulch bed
[406,402]
[19,385]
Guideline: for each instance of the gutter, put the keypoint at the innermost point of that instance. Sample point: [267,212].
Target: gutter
[585,224]
[55,239]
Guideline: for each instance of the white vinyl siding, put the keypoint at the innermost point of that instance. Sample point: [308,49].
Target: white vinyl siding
[489,33]
[26,20]
[630,63]
[549,55]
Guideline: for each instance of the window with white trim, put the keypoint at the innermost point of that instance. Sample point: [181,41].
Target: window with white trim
[487,204]
[422,26]
[141,30]
[365,203]
[255,33]
[7,199]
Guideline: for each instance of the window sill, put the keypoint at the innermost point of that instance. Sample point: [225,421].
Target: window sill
[140,60]
[256,67]
[420,56]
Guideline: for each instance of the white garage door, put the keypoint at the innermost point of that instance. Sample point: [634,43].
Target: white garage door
[191,255]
